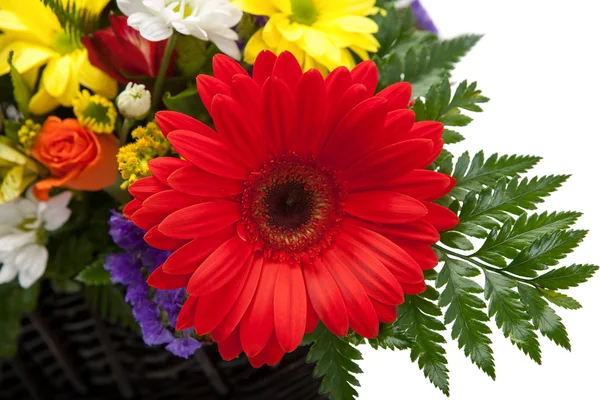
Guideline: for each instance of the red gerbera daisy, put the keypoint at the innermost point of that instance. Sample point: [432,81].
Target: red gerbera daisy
[310,201]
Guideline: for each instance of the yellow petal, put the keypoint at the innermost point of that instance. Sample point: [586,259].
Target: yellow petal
[26,55]
[11,22]
[56,75]
[291,31]
[270,33]
[293,48]
[256,7]
[42,103]
[96,80]
[362,53]
[39,19]
[282,5]
[254,46]
[314,42]
[31,76]
[95,6]
[347,59]
[353,23]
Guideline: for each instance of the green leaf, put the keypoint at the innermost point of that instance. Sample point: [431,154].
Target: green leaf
[11,129]
[478,173]
[465,312]
[418,316]
[451,137]
[513,237]
[544,318]
[336,363]
[490,207]
[95,274]
[544,252]
[566,277]
[73,18]
[560,299]
[107,302]
[511,316]
[395,28]
[391,336]
[21,91]
[187,102]
[14,302]
[192,55]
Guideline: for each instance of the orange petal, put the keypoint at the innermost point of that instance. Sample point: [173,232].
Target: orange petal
[101,172]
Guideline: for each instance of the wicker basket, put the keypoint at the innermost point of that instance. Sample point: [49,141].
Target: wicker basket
[66,352]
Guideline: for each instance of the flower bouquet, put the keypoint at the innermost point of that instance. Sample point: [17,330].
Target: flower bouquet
[266,175]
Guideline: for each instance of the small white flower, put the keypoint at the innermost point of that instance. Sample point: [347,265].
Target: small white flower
[23,223]
[134,102]
[209,20]
[404,3]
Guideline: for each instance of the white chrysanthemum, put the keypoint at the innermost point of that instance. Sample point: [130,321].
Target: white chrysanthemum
[210,20]
[23,224]
[134,102]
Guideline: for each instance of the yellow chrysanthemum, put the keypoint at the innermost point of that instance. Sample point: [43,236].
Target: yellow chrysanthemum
[133,158]
[33,32]
[320,33]
[95,112]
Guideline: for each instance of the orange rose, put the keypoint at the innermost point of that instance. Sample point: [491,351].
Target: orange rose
[76,157]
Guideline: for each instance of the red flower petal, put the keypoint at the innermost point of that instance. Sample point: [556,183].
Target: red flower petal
[311,102]
[432,130]
[414,231]
[231,347]
[131,207]
[420,252]
[274,352]
[348,142]
[194,181]
[423,184]
[397,126]
[246,92]
[355,95]
[225,68]
[159,241]
[189,257]
[207,153]
[385,312]
[379,169]
[336,83]
[168,201]
[208,88]
[287,69]
[398,95]
[440,217]
[366,73]
[290,307]
[312,319]
[159,279]
[361,313]
[200,220]
[146,219]
[384,207]
[415,288]
[256,326]
[162,167]
[279,115]
[185,320]
[170,121]
[146,187]
[238,310]
[326,298]
[220,267]
[263,67]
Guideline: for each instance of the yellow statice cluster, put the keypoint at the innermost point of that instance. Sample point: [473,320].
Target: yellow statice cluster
[133,158]
[34,34]
[28,133]
[320,33]
[96,112]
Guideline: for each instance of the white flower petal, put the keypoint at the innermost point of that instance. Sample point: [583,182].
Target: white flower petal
[155,30]
[16,239]
[129,7]
[137,19]
[8,271]
[32,261]
[57,211]
[227,46]
[10,215]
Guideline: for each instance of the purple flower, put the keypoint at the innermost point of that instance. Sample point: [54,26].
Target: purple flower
[152,258]
[124,233]
[184,347]
[422,17]
[123,268]
[171,302]
[153,333]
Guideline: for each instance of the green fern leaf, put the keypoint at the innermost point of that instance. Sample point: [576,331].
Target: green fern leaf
[544,318]
[487,209]
[418,316]
[76,20]
[560,299]
[566,277]
[513,237]
[336,363]
[391,336]
[477,173]
[464,311]
[511,316]
[544,252]
[95,274]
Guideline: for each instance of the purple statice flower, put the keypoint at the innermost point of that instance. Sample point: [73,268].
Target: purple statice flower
[184,347]
[128,269]
[422,17]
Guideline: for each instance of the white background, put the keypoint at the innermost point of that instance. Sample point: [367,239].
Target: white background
[539,64]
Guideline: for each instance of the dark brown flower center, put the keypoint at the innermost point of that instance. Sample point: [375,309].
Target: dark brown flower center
[291,207]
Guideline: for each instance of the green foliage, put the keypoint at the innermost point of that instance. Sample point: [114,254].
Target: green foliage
[95,274]
[391,336]
[14,302]
[566,277]
[21,91]
[192,55]
[108,303]
[73,18]
[560,299]
[395,29]
[465,312]
[336,363]
[477,173]
[510,313]
[418,316]
[187,102]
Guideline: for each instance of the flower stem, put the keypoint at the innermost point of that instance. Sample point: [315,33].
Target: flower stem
[124,133]
[162,72]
